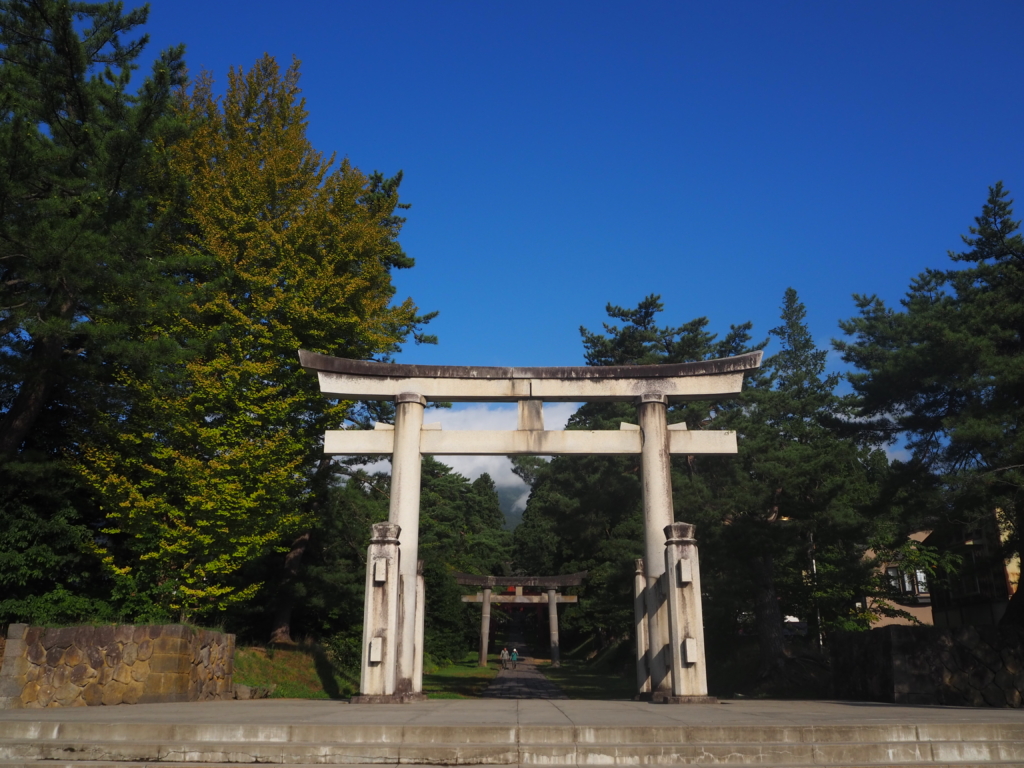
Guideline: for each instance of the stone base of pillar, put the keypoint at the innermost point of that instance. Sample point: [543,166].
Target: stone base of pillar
[664,698]
[395,698]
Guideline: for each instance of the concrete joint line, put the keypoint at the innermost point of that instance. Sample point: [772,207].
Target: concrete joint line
[519,735]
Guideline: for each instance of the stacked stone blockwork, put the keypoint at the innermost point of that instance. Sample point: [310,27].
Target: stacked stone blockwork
[967,666]
[90,666]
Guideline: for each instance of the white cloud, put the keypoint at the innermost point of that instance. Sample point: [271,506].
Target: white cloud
[897,453]
[488,416]
[495,416]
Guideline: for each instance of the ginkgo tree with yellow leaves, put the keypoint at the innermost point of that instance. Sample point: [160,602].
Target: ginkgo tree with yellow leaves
[218,462]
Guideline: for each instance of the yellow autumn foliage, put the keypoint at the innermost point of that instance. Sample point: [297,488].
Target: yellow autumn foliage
[215,465]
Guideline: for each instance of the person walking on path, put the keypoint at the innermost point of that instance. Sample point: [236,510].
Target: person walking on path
[515,657]
[504,658]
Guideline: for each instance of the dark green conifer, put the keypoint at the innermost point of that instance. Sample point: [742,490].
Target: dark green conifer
[84,204]
[946,371]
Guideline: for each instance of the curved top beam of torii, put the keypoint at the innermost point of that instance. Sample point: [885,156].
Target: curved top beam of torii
[364,380]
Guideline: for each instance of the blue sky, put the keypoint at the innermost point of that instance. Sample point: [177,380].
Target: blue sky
[562,155]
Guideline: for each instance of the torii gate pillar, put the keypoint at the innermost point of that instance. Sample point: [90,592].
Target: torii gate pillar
[553,627]
[657,501]
[405,512]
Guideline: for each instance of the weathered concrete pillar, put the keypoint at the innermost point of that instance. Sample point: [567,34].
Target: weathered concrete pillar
[531,415]
[686,618]
[421,605]
[657,499]
[643,677]
[380,613]
[405,512]
[485,627]
[14,667]
[553,627]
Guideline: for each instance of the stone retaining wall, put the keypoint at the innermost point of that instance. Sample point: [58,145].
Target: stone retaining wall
[89,666]
[966,666]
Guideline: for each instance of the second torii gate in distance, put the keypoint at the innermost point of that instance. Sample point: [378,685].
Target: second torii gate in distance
[551,585]
[392,635]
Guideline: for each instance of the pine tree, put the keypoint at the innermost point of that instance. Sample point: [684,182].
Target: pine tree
[946,371]
[797,482]
[86,215]
[81,265]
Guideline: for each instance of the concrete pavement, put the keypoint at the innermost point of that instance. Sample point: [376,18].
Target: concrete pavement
[513,732]
[271,713]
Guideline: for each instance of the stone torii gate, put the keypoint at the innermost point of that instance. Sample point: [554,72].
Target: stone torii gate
[551,585]
[392,633]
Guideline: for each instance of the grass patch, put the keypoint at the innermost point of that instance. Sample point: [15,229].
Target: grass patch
[301,672]
[461,680]
[580,680]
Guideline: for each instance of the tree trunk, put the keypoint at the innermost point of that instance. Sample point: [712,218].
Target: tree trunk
[767,615]
[32,396]
[281,633]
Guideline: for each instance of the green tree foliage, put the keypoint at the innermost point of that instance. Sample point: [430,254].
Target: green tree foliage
[460,530]
[799,488]
[946,371]
[222,464]
[84,268]
[78,153]
[47,574]
[798,482]
[326,584]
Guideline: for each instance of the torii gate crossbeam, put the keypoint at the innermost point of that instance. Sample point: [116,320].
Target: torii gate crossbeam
[652,387]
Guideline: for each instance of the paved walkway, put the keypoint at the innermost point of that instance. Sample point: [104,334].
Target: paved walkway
[521,712]
[523,682]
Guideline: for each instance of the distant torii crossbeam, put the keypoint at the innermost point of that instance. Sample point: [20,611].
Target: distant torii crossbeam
[393,619]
